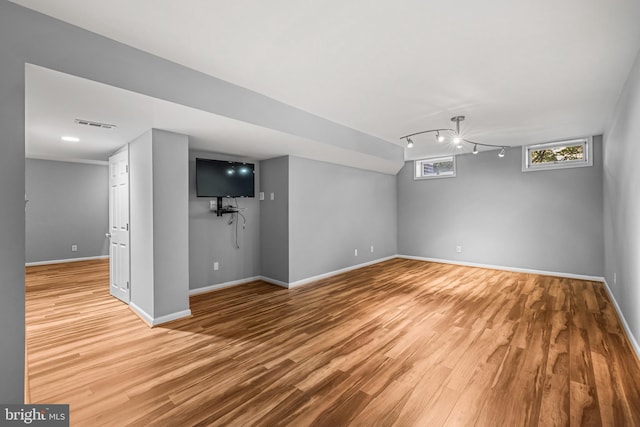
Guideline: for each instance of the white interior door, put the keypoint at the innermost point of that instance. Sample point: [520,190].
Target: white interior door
[119,225]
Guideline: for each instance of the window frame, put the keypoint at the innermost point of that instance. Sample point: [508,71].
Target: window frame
[586,161]
[417,165]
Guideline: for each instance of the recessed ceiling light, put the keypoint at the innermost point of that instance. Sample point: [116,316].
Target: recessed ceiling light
[70,139]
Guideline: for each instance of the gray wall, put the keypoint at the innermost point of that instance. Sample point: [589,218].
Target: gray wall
[141,222]
[274,219]
[68,204]
[159,237]
[622,202]
[170,222]
[332,211]
[12,211]
[212,239]
[544,220]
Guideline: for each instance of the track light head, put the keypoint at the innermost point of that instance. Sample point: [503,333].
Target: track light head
[457,139]
[501,153]
[439,138]
[475,148]
[409,143]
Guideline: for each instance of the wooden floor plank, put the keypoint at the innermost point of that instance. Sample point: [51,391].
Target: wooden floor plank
[399,343]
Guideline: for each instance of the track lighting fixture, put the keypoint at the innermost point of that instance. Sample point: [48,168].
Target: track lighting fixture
[456,137]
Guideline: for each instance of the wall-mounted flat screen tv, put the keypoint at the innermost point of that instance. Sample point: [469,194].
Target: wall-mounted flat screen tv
[219,178]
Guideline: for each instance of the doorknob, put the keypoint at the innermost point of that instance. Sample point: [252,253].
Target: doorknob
[107,235]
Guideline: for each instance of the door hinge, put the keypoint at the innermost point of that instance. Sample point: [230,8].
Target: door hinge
[127,168]
[127,227]
[127,284]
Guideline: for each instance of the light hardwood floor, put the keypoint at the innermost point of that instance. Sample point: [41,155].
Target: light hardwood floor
[403,342]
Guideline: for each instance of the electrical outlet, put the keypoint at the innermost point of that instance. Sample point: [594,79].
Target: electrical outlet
[272,196]
[459,249]
[371,248]
[216,266]
[261,195]
[355,252]
[74,248]
[614,278]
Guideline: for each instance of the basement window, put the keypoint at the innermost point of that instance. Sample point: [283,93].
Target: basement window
[558,155]
[437,167]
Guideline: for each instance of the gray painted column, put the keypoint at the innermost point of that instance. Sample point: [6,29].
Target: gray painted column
[141,223]
[159,179]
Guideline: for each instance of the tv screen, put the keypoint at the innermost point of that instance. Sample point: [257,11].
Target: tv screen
[219,178]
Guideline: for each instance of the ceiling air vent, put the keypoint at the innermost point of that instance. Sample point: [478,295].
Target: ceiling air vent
[94,124]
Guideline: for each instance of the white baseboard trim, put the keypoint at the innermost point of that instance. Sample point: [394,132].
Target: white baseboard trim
[60,261]
[151,321]
[376,261]
[210,288]
[625,325]
[171,317]
[503,268]
[274,281]
[336,272]
[287,284]
[147,318]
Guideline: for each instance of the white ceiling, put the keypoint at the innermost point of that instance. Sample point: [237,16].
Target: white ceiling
[525,71]
[54,100]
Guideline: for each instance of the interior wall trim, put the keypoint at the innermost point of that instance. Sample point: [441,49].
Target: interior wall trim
[210,288]
[143,315]
[155,321]
[171,317]
[287,285]
[336,272]
[504,268]
[627,330]
[60,261]
[274,281]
